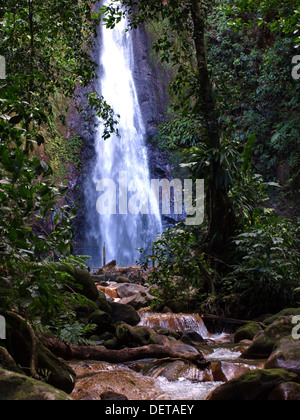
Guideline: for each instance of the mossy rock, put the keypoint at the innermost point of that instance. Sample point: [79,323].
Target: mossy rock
[83,281]
[288,391]
[136,336]
[102,303]
[83,311]
[255,385]
[284,312]
[247,332]
[111,344]
[286,355]
[263,346]
[102,320]
[168,333]
[17,387]
[122,279]
[124,313]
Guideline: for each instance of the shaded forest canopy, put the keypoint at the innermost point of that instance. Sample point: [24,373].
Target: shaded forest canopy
[233,120]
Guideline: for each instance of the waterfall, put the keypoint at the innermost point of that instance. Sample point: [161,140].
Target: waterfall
[123,160]
[174,322]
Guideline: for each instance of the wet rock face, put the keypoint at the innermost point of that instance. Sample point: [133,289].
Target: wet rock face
[150,83]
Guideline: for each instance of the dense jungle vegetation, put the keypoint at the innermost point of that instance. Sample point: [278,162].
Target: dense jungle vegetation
[233,119]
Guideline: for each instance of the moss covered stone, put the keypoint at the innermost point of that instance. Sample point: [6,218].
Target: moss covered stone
[286,355]
[252,386]
[102,320]
[263,346]
[103,304]
[83,282]
[17,387]
[247,332]
[124,313]
[288,391]
[136,336]
[284,312]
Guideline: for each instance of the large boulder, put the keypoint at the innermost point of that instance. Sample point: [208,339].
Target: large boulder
[264,343]
[255,385]
[136,336]
[247,332]
[112,396]
[286,355]
[134,295]
[102,320]
[288,391]
[84,310]
[126,290]
[192,337]
[225,372]
[102,303]
[124,313]
[285,312]
[17,387]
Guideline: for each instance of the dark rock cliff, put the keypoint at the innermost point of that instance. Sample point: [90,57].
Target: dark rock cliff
[151,82]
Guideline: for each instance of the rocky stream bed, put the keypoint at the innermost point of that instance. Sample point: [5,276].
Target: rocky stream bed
[138,354]
[259,361]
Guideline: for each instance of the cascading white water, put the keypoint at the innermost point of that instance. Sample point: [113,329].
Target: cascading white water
[174,322]
[122,234]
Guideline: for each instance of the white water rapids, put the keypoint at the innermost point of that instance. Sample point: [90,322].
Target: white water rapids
[122,234]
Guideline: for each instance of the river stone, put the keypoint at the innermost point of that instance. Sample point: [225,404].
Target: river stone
[102,320]
[264,343]
[286,355]
[124,313]
[179,347]
[136,336]
[17,387]
[255,385]
[289,391]
[247,332]
[112,396]
[111,344]
[192,337]
[283,313]
[126,290]
[225,372]
[83,282]
[102,303]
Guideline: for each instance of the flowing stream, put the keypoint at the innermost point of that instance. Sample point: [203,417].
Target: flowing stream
[151,379]
[127,214]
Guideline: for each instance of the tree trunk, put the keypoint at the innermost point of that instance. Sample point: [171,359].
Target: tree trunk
[219,212]
[69,352]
